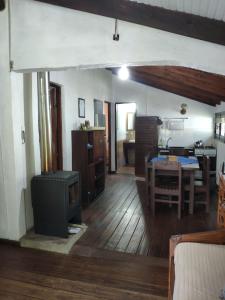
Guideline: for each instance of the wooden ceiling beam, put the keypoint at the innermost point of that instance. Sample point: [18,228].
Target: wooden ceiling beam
[212,83]
[164,84]
[156,17]
[207,84]
[173,87]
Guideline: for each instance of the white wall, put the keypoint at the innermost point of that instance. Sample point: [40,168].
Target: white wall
[90,85]
[56,37]
[12,224]
[33,163]
[154,102]
[19,150]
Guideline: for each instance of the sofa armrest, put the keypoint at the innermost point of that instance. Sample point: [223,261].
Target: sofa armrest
[208,237]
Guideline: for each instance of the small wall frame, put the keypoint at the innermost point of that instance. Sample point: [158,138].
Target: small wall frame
[81,108]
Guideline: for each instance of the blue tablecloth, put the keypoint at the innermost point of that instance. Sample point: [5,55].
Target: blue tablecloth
[181,159]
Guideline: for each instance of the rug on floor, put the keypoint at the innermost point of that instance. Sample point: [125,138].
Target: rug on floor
[51,243]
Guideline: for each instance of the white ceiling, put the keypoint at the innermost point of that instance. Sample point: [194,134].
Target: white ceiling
[213,9]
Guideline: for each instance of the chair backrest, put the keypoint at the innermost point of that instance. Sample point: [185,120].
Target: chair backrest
[206,170]
[167,169]
[167,165]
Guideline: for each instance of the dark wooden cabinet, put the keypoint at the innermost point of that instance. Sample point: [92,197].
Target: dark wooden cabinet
[99,144]
[146,141]
[88,157]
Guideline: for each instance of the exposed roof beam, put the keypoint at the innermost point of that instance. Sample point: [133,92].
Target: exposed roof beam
[210,84]
[160,78]
[172,21]
[172,87]
[208,81]
[2,4]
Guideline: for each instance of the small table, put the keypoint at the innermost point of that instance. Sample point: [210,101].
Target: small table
[127,146]
[188,171]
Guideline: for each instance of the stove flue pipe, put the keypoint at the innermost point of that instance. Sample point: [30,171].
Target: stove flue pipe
[44,120]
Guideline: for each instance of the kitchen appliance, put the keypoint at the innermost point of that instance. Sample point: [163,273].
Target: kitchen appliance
[207,150]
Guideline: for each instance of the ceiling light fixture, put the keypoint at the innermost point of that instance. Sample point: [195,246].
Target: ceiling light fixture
[123,73]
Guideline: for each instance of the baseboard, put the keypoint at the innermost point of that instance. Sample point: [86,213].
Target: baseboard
[9,242]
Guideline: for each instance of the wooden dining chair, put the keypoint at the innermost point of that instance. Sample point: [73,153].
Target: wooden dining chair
[166,184]
[202,187]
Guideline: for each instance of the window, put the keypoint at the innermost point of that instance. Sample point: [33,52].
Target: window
[220,126]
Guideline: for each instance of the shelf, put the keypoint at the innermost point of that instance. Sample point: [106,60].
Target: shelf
[88,158]
[99,176]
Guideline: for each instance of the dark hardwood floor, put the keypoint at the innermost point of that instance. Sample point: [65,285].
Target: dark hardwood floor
[120,221]
[33,274]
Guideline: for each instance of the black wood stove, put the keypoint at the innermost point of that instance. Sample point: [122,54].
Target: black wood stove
[56,202]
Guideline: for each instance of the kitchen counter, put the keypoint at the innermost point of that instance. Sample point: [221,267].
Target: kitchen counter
[179,151]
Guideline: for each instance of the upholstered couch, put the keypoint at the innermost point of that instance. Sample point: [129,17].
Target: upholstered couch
[197,266]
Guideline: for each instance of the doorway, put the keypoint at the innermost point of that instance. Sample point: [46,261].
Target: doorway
[125,138]
[107,113]
[56,121]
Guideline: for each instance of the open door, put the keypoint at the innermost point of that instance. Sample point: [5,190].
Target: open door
[125,137]
[56,120]
[107,113]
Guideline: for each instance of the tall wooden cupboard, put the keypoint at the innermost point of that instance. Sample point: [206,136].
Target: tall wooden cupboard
[146,141]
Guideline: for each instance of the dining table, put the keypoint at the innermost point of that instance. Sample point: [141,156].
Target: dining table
[189,165]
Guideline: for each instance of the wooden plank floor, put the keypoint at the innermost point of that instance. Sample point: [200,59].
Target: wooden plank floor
[32,274]
[120,221]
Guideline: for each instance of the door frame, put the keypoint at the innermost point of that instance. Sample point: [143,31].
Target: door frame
[59,119]
[110,134]
[117,103]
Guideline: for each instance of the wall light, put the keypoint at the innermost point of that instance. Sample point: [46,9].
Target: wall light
[123,73]
[183,109]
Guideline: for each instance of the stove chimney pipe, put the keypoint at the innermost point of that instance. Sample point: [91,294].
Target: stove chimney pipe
[44,120]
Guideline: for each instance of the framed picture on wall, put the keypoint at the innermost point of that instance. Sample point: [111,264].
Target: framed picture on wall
[81,108]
